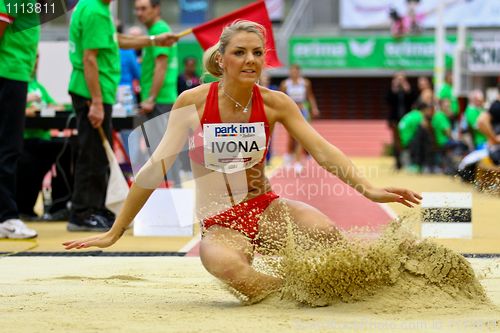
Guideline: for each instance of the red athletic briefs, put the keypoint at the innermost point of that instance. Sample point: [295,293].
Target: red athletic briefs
[243,217]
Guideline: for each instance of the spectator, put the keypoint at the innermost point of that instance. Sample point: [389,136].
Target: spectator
[130,68]
[399,99]
[446,93]
[411,22]
[444,143]
[472,113]
[423,83]
[159,72]
[265,81]
[40,152]
[489,124]
[300,90]
[94,55]
[397,27]
[19,36]
[188,79]
[416,134]
[127,89]
[137,31]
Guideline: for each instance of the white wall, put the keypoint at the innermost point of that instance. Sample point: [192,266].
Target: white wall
[54,69]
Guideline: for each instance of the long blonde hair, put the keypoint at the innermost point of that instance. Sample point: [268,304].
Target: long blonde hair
[210,57]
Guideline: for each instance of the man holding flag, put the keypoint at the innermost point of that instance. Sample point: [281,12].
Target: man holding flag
[159,71]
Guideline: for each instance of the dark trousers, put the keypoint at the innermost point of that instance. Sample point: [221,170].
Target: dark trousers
[422,151]
[36,160]
[12,112]
[91,166]
[396,143]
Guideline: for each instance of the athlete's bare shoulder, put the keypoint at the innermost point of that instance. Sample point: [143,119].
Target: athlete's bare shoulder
[196,95]
[274,98]
[277,104]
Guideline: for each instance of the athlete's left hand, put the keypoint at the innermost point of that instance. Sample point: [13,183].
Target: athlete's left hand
[392,194]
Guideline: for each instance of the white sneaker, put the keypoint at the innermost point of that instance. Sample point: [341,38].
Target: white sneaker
[16,229]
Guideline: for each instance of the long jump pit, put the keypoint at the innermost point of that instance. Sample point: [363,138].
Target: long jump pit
[175,294]
[394,282]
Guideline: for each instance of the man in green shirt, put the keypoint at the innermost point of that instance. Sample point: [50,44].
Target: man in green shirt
[94,53]
[442,129]
[416,133]
[472,113]
[159,68]
[19,36]
[446,93]
[159,72]
[408,126]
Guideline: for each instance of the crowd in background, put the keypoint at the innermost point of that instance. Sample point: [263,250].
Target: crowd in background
[430,133]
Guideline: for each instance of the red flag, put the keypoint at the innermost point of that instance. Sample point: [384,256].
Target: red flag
[208,33]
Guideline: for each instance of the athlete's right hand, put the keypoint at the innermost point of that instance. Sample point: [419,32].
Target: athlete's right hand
[101,240]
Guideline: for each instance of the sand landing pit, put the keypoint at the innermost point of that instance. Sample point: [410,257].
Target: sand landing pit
[417,273]
[172,294]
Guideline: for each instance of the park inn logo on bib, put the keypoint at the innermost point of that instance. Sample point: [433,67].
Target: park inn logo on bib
[233,147]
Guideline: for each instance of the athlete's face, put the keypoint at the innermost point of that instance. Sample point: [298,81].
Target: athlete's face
[243,58]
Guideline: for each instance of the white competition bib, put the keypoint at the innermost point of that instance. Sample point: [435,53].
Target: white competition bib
[233,147]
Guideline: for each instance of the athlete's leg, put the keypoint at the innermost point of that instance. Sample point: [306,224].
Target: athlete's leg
[227,255]
[301,217]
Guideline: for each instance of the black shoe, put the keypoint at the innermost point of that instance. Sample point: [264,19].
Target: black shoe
[92,222]
[108,215]
[29,217]
[60,215]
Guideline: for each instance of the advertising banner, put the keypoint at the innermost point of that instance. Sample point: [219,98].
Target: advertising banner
[484,54]
[376,52]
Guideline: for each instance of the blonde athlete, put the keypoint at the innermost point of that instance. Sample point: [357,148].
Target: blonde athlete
[235,203]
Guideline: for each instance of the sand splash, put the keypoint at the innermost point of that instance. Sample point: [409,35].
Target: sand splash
[394,273]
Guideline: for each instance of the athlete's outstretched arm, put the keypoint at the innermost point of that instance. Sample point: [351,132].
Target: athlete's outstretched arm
[332,159]
[150,175]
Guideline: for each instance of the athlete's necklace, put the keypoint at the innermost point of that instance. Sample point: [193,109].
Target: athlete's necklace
[238,104]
